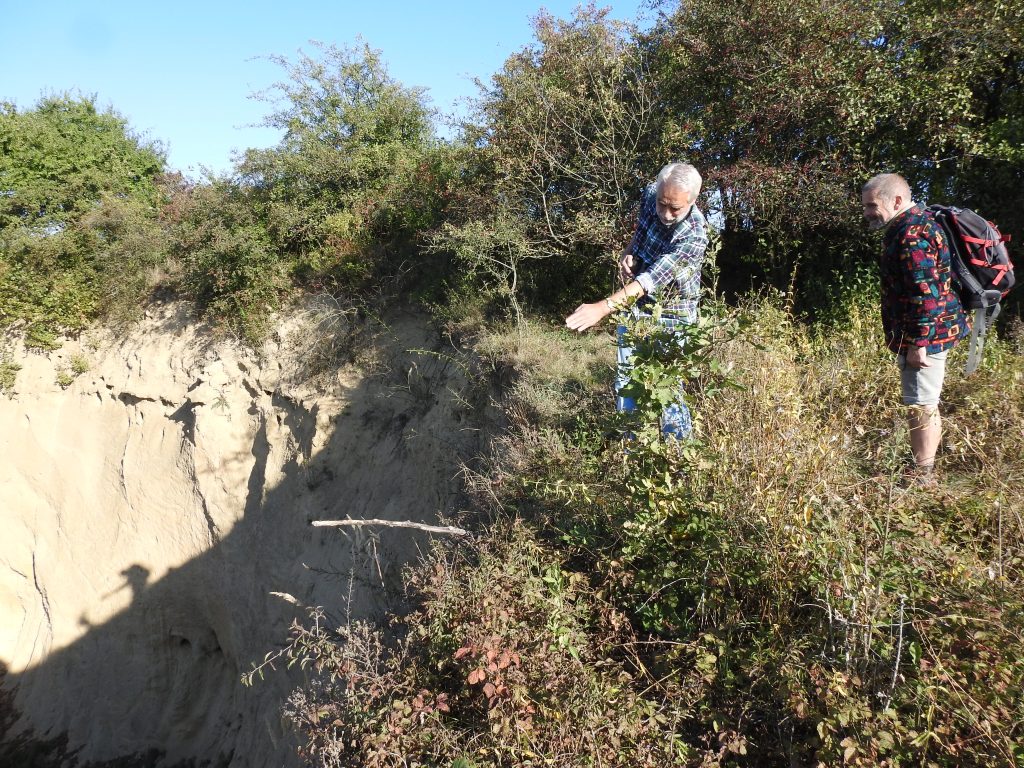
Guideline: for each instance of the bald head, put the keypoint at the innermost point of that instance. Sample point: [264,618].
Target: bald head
[884,197]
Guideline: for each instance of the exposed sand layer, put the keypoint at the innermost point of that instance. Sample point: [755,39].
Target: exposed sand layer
[150,509]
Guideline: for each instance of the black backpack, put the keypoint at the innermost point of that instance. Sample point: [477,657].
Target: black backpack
[982,270]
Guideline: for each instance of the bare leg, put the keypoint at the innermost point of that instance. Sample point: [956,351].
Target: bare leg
[925,433]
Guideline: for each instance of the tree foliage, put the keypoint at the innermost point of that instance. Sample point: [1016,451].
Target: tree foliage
[559,139]
[357,171]
[78,199]
[791,106]
[338,205]
[58,159]
[786,108]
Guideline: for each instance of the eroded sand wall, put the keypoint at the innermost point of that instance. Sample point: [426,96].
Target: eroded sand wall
[150,509]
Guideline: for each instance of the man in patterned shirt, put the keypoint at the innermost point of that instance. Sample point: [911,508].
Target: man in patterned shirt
[663,262]
[921,313]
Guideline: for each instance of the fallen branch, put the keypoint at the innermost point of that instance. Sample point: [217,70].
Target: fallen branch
[449,529]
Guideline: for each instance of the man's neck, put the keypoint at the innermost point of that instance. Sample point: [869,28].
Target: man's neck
[900,213]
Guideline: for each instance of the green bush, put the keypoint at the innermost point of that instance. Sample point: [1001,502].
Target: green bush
[8,374]
[78,217]
[227,261]
[337,207]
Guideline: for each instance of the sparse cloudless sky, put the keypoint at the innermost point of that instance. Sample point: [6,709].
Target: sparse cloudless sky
[183,73]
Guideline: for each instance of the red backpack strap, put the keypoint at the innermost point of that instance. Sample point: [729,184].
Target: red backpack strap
[980,241]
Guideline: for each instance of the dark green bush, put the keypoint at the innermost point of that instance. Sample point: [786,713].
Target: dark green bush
[228,263]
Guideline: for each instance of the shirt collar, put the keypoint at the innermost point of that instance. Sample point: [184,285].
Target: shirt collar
[899,217]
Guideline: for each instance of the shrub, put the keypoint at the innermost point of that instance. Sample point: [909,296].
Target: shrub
[228,264]
[8,374]
[788,125]
[797,600]
[509,661]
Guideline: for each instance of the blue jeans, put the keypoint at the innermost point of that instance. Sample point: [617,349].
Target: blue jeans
[675,418]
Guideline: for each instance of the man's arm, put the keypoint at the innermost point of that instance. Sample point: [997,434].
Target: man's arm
[588,315]
[683,262]
[920,256]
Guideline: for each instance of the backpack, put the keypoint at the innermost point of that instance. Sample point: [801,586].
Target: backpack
[981,266]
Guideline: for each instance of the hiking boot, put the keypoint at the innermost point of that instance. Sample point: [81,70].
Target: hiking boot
[920,476]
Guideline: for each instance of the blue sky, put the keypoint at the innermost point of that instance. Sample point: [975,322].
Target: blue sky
[183,73]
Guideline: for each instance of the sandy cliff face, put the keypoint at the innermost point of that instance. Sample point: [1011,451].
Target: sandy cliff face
[150,509]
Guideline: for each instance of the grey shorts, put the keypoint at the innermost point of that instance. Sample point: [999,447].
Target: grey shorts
[923,386]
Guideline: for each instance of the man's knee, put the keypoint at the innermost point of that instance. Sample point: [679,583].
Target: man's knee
[923,415]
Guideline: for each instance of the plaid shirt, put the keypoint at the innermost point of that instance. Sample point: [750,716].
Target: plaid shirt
[919,306]
[671,258]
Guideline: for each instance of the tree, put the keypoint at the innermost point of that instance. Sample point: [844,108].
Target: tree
[78,199]
[356,170]
[338,205]
[58,159]
[558,162]
[791,106]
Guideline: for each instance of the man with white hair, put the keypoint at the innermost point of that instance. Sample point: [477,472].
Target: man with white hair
[921,313]
[663,261]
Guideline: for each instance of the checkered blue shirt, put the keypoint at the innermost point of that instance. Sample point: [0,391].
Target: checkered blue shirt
[671,258]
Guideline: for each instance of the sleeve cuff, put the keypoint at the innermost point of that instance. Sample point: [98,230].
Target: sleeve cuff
[646,283]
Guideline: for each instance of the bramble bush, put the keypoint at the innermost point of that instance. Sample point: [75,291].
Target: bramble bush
[509,661]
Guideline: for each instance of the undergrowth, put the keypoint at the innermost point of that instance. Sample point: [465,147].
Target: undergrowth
[765,594]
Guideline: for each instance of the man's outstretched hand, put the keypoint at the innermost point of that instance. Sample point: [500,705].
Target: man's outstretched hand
[627,267]
[587,316]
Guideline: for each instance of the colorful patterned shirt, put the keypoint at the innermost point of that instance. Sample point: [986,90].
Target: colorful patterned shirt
[670,258]
[919,306]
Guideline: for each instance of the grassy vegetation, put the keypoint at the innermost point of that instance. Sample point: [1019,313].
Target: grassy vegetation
[770,595]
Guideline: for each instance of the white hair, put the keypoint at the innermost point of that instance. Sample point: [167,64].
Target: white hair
[887,186]
[682,175]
